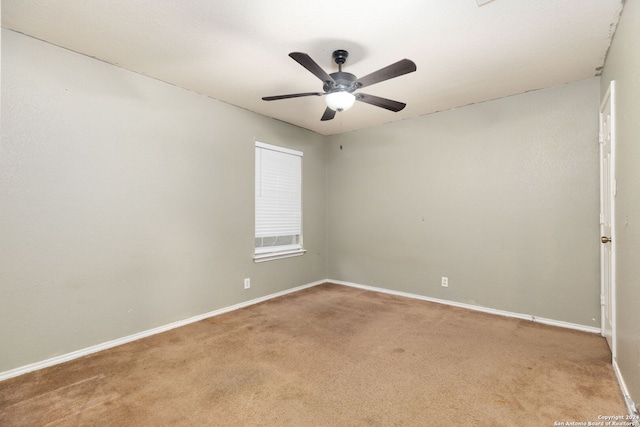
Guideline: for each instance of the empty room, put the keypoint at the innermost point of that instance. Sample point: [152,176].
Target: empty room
[337,213]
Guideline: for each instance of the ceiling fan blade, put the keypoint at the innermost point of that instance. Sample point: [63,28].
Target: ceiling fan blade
[394,70]
[311,65]
[389,104]
[329,114]
[293,95]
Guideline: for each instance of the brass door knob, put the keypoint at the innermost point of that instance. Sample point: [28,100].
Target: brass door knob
[605,239]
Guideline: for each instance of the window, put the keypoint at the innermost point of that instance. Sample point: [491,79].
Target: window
[278,202]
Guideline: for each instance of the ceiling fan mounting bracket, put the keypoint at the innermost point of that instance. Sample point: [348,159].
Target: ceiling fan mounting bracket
[340,56]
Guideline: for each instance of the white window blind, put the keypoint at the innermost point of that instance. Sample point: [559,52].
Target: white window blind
[278,199]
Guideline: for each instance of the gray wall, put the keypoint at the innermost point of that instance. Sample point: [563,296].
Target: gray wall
[127,203]
[623,66]
[501,197]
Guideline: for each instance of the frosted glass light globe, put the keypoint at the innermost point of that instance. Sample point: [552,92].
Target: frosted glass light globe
[340,101]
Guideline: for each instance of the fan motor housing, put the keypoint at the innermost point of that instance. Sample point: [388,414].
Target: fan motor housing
[343,82]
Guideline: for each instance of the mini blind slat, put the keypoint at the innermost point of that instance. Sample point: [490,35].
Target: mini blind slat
[278,193]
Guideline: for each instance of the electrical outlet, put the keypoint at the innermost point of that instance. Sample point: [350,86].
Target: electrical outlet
[445,281]
[247,283]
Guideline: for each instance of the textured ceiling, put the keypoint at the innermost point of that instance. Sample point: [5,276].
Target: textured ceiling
[237,51]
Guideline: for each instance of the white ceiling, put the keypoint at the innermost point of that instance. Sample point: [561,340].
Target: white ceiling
[237,51]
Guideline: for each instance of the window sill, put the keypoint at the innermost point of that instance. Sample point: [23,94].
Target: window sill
[278,255]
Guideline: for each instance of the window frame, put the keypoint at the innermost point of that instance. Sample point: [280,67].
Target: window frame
[268,253]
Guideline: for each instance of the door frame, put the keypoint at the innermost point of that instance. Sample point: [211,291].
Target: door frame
[609,98]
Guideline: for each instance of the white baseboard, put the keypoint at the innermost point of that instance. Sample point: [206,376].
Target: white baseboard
[631,406]
[551,322]
[99,347]
[109,344]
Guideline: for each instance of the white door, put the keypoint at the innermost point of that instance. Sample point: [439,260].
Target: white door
[607,239]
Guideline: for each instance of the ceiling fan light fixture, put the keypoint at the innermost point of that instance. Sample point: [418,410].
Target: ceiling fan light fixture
[340,101]
[338,87]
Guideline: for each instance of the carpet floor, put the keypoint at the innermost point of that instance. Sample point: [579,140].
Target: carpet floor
[330,355]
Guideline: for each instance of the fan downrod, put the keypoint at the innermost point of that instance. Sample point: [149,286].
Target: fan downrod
[340,57]
[342,81]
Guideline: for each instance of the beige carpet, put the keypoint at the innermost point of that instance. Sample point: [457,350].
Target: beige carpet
[330,356]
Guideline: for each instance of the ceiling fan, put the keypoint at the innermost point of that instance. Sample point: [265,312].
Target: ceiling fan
[339,87]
